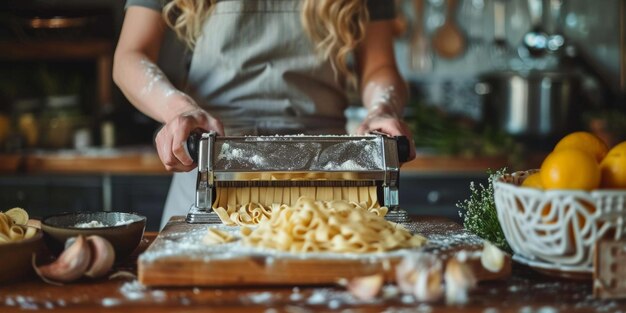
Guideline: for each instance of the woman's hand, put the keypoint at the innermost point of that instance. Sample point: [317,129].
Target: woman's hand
[384,119]
[171,140]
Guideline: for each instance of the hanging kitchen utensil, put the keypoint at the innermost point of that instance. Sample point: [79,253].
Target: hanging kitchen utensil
[499,51]
[420,54]
[535,42]
[499,31]
[448,40]
[400,23]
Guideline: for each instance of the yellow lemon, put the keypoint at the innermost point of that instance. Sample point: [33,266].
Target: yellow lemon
[533,181]
[570,169]
[585,141]
[613,168]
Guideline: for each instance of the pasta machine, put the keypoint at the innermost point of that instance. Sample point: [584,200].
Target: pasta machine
[296,161]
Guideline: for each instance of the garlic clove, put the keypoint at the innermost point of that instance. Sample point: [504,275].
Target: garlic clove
[69,242]
[30,232]
[411,267]
[459,279]
[71,264]
[406,274]
[34,223]
[429,284]
[102,256]
[492,258]
[366,288]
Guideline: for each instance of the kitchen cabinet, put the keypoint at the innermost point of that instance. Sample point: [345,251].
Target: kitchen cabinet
[142,194]
[42,195]
[437,193]
[47,194]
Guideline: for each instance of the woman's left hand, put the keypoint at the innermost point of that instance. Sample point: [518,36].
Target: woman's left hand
[384,119]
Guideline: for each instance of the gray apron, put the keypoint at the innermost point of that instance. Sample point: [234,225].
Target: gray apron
[255,69]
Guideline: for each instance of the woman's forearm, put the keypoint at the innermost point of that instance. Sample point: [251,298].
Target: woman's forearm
[384,89]
[380,82]
[147,88]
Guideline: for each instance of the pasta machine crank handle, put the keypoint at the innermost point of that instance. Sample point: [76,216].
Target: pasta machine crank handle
[193,144]
[404,148]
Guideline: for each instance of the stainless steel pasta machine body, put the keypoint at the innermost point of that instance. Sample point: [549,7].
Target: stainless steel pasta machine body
[296,161]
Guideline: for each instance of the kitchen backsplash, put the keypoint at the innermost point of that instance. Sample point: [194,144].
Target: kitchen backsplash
[451,83]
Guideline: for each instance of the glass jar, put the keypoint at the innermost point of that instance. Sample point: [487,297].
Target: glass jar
[60,118]
[24,124]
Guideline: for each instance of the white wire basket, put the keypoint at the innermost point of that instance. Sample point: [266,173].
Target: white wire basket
[555,230]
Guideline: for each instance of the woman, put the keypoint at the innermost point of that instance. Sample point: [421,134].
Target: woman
[259,67]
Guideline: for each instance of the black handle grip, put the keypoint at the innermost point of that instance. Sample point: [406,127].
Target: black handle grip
[404,148]
[193,144]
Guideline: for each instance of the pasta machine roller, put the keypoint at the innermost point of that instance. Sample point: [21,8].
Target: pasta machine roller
[296,161]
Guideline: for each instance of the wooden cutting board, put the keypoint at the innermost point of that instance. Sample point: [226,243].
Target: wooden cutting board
[179,258]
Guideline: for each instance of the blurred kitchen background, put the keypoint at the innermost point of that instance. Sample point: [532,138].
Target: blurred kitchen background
[494,83]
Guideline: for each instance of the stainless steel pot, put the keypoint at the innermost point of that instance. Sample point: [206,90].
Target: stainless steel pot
[536,103]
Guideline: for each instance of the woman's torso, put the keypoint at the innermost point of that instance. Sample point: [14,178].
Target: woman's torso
[256,70]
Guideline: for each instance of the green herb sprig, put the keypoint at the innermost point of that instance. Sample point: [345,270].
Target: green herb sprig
[479,212]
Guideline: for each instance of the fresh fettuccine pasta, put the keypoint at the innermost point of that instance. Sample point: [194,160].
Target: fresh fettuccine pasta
[216,237]
[12,226]
[329,226]
[252,205]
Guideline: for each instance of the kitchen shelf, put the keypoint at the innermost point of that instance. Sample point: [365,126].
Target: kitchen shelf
[109,161]
[447,164]
[100,50]
[29,50]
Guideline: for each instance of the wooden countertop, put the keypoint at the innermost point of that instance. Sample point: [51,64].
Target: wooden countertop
[524,291]
[111,161]
[145,161]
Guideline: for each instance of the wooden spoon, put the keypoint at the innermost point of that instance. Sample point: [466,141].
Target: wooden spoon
[448,40]
[419,53]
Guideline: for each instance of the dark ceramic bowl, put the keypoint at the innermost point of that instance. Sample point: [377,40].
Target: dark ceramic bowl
[16,260]
[123,230]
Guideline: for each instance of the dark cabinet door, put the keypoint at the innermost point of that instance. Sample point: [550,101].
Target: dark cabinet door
[436,194]
[43,195]
[143,195]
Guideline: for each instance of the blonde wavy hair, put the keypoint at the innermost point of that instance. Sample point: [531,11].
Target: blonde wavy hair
[335,27]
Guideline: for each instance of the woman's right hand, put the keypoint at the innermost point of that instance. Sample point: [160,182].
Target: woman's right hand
[171,140]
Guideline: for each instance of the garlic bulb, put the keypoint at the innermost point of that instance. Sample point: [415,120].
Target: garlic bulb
[429,283]
[420,275]
[406,274]
[492,258]
[459,279]
[366,288]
